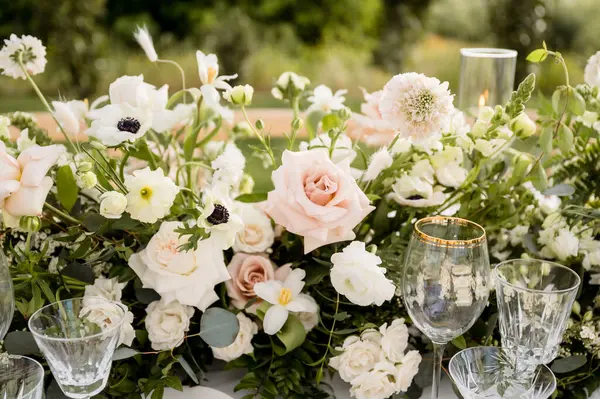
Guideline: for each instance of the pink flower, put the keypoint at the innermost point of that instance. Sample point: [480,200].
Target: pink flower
[317,199]
[24,185]
[369,124]
[246,271]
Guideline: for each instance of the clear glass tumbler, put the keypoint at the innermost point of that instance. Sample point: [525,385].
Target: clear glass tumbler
[20,377]
[7,298]
[535,298]
[78,338]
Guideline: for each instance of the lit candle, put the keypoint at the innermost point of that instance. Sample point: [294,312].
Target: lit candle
[483,97]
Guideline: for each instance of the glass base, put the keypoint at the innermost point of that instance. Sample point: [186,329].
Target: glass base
[84,391]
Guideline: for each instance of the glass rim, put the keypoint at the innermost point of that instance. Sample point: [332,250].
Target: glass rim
[488,52]
[446,220]
[500,278]
[38,366]
[49,338]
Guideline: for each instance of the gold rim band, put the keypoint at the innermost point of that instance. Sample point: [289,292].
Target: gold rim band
[445,221]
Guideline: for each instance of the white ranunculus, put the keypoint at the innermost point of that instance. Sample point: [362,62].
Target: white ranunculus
[167,323]
[378,383]
[70,115]
[116,123]
[394,340]
[357,275]
[107,314]
[343,148]
[451,175]
[151,194]
[243,342]
[592,70]
[407,371]
[258,233]
[309,319]
[380,161]
[188,277]
[565,245]
[112,204]
[324,100]
[142,36]
[358,357]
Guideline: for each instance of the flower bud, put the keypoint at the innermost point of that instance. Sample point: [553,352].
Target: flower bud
[479,128]
[240,95]
[291,80]
[88,180]
[260,125]
[297,124]
[242,129]
[345,113]
[522,162]
[523,126]
[576,308]
[246,184]
[485,114]
[30,224]
[112,204]
[98,145]
[589,315]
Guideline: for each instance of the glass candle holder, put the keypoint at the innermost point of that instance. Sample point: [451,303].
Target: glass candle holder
[487,78]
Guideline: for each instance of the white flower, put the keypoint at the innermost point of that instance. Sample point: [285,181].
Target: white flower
[357,275]
[488,148]
[258,234]
[449,155]
[401,146]
[416,192]
[457,124]
[417,106]
[343,148]
[485,114]
[451,175]
[243,342]
[131,90]
[378,383]
[309,319]
[151,194]
[548,203]
[32,53]
[211,103]
[516,235]
[429,145]
[285,297]
[588,119]
[289,81]
[116,123]
[208,69]
[214,148]
[70,115]
[592,70]
[106,314]
[407,371]
[188,277]
[142,36]
[220,216]
[324,100]
[4,124]
[380,161]
[112,204]
[566,244]
[24,142]
[394,340]
[357,358]
[239,95]
[167,323]
[229,166]
[87,180]
[164,119]
[591,258]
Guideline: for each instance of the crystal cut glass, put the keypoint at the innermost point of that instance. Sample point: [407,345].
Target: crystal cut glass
[20,377]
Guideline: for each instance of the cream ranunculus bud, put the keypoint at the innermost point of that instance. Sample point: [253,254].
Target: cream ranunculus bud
[260,124]
[240,95]
[112,204]
[523,126]
[88,180]
[31,224]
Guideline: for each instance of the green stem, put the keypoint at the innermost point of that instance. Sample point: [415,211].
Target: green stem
[181,71]
[109,172]
[260,137]
[295,109]
[324,359]
[28,242]
[60,213]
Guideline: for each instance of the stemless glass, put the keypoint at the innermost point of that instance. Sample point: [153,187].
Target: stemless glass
[79,351]
[445,285]
[7,298]
[535,298]
[20,377]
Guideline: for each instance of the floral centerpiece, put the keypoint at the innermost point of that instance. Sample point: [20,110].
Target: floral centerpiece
[295,281]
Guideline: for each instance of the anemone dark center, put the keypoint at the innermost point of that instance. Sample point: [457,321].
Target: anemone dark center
[129,124]
[219,216]
[414,197]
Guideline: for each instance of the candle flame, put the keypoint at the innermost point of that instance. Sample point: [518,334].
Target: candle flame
[483,98]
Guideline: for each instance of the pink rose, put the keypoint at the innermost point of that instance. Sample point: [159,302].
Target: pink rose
[23,181]
[247,270]
[317,199]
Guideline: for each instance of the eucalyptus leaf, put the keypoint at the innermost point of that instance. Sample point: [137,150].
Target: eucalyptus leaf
[562,190]
[124,353]
[539,177]
[568,364]
[66,187]
[20,343]
[218,327]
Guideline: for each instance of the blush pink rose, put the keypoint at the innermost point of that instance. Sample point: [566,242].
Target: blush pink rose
[247,270]
[317,199]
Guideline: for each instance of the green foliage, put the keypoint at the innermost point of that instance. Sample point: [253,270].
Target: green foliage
[583,171]
[219,327]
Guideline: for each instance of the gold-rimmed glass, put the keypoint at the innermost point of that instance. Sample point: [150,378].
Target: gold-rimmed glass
[445,284]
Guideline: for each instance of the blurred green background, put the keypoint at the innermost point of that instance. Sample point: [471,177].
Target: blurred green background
[341,43]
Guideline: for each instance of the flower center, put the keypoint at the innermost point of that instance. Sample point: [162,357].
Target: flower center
[423,104]
[219,216]
[252,234]
[146,193]
[129,124]
[285,296]
[211,73]
[27,55]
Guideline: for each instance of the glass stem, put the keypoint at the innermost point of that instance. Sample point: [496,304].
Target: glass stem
[438,355]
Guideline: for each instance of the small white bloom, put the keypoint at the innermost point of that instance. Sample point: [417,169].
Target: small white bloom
[117,123]
[516,235]
[449,155]
[208,69]
[523,126]
[229,165]
[309,319]
[565,244]
[24,142]
[243,342]
[451,175]
[285,297]
[106,314]
[486,114]
[378,383]
[163,119]
[32,53]
[591,258]
[213,149]
[357,275]
[592,70]
[258,233]
[70,115]
[488,148]
[407,371]
[548,203]
[588,118]
[220,216]
[324,100]
[87,180]
[112,204]
[167,323]
[401,146]
[358,357]
[394,340]
[290,78]
[343,148]
[380,161]
[142,36]
[4,124]
[239,95]
[151,194]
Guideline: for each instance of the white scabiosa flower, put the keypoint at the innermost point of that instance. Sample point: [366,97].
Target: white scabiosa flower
[142,36]
[29,50]
[380,161]
[323,99]
[592,70]
[208,69]
[112,204]
[243,342]
[71,115]
[117,123]
[258,234]
[151,194]
[417,106]
[167,323]
[343,148]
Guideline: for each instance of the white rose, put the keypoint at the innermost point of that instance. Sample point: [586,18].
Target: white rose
[185,276]
[258,234]
[112,204]
[167,324]
[106,314]
[451,175]
[378,383]
[357,275]
[407,370]
[109,289]
[309,319]
[358,357]
[394,340]
[566,244]
[243,342]
[380,161]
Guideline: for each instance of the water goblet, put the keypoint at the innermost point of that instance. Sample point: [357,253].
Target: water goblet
[78,338]
[7,298]
[20,377]
[534,298]
[445,284]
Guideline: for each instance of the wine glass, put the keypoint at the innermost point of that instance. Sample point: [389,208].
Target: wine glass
[20,377]
[78,338]
[534,298]
[7,298]
[445,283]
